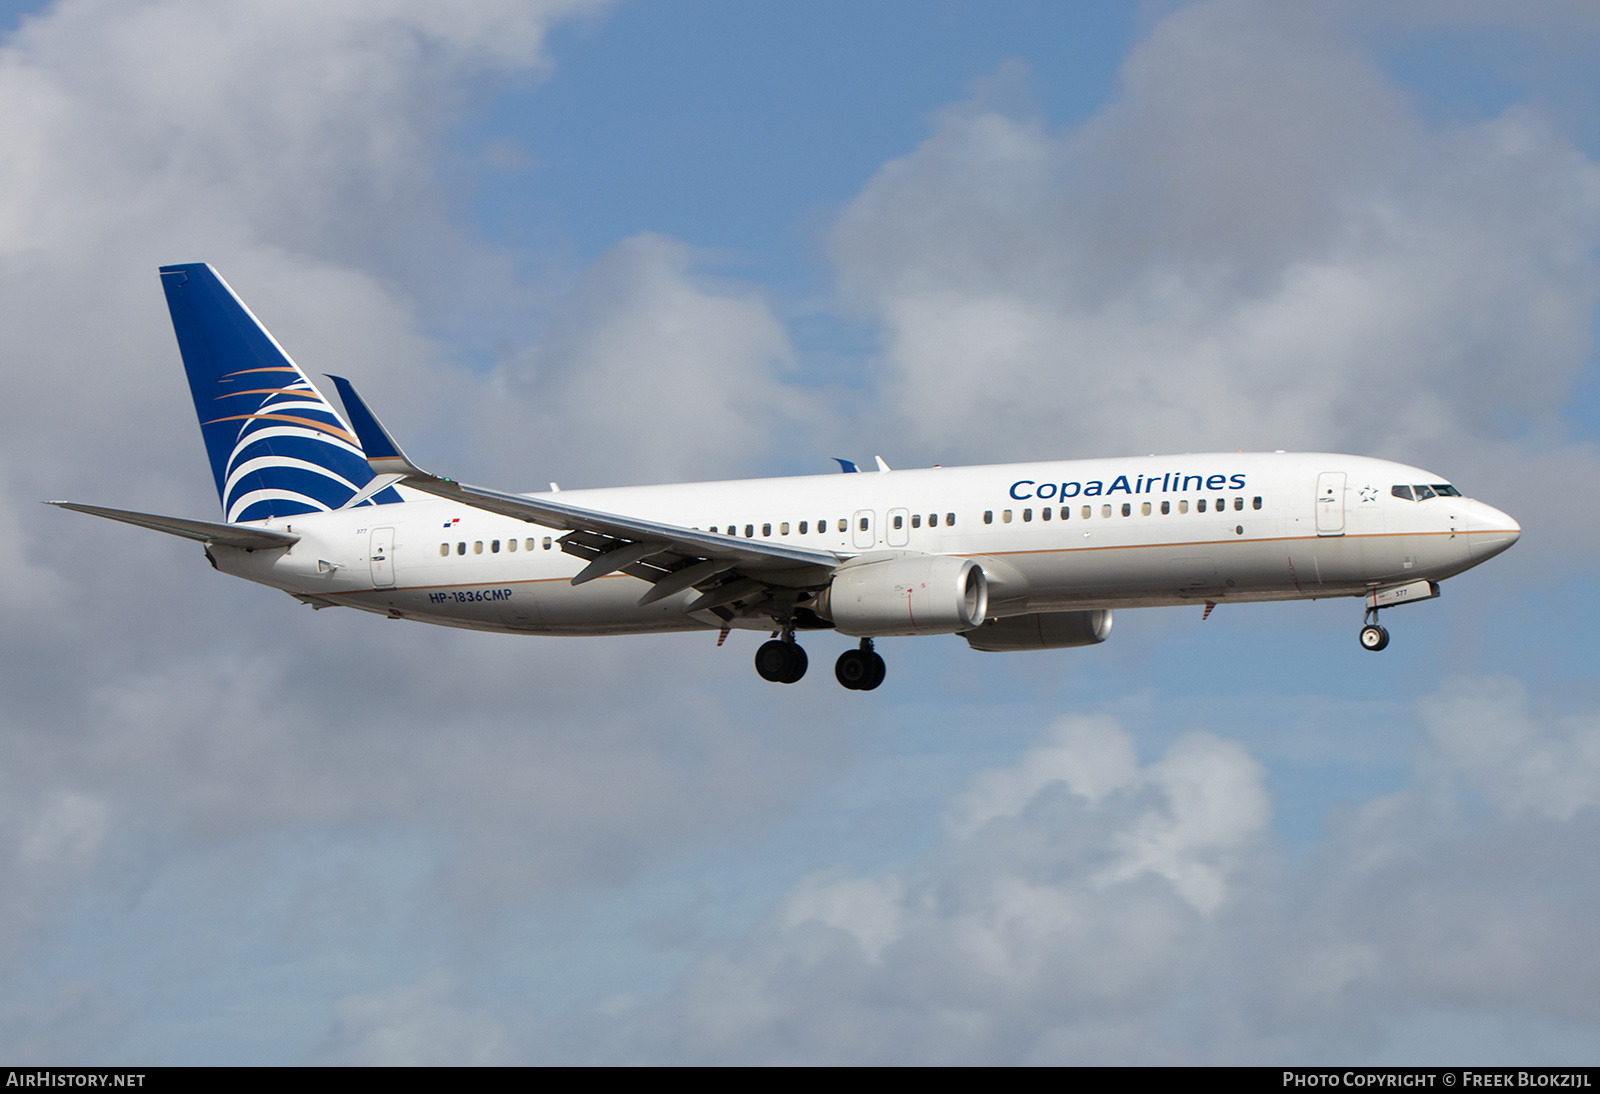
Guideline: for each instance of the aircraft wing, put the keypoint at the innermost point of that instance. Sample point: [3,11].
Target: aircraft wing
[669,556]
[229,535]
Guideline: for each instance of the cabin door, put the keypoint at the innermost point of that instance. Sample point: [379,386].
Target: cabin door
[381,558]
[1330,503]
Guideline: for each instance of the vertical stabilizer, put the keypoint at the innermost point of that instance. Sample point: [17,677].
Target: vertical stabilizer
[277,447]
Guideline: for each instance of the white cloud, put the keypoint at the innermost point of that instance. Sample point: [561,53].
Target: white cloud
[649,373]
[1260,244]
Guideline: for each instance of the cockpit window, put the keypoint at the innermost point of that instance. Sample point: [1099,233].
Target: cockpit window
[1422,492]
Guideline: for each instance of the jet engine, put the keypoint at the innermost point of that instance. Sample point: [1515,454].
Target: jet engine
[910,594]
[1041,631]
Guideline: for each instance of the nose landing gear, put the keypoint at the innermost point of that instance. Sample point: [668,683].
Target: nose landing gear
[1373,637]
[860,669]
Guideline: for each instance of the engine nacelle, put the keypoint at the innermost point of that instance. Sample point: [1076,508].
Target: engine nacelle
[913,594]
[1041,631]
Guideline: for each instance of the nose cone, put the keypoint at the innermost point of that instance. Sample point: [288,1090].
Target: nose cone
[1489,531]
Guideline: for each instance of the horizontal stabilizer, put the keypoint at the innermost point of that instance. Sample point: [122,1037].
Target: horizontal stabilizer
[205,531]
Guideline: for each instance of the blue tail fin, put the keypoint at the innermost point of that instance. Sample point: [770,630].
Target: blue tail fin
[277,448]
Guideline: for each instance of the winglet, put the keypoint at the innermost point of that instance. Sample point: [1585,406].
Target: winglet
[846,466]
[383,453]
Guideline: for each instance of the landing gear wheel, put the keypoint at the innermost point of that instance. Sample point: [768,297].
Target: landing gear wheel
[860,670]
[852,669]
[1374,637]
[879,671]
[781,662]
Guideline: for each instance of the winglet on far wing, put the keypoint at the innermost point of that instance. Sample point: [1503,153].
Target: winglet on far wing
[383,453]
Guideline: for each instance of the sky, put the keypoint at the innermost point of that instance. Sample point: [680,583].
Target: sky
[613,243]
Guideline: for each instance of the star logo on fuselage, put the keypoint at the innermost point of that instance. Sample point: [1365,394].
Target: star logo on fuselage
[1369,493]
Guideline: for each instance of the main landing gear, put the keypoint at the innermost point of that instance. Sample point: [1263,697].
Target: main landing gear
[860,669]
[783,662]
[1373,637]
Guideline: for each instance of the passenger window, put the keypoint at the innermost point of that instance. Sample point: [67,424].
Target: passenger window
[511,545]
[863,524]
[529,544]
[766,530]
[1145,509]
[1045,513]
[1238,504]
[1222,504]
[933,520]
[1105,511]
[1166,507]
[494,547]
[1005,516]
[1183,506]
[477,547]
[988,516]
[1255,502]
[461,548]
[1127,509]
[899,522]
[1087,510]
[916,520]
[1066,512]
[949,520]
[783,529]
[444,550]
[844,525]
[749,531]
[1200,506]
[546,543]
[1027,516]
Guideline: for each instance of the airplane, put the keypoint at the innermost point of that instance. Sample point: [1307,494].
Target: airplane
[1026,556]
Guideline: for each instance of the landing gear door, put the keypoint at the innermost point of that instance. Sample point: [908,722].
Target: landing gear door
[1330,503]
[381,558]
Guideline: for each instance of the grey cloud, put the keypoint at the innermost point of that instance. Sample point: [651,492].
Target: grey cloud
[1063,920]
[153,704]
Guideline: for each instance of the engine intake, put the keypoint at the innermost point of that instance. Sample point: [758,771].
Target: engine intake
[1041,631]
[916,594]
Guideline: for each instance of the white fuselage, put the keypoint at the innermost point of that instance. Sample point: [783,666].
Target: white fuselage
[1119,533]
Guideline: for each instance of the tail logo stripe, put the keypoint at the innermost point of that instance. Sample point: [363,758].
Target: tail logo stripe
[342,434]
